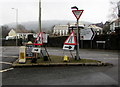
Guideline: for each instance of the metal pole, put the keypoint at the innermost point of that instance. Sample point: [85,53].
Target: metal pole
[77,51]
[40,15]
[16,24]
[81,43]
[91,44]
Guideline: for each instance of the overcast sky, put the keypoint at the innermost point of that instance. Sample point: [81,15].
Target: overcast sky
[28,10]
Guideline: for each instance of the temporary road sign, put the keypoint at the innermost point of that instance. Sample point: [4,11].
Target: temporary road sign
[45,38]
[29,47]
[77,13]
[68,47]
[87,34]
[36,50]
[39,39]
[71,40]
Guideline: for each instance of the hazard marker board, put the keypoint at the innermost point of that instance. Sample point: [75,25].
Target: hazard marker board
[36,50]
[39,39]
[68,47]
[87,34]
[45,38]
[77,13]
[71,40]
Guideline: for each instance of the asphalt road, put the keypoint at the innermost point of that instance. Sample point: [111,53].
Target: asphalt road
[68,75]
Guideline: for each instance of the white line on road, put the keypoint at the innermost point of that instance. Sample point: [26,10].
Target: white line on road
[6,70]
[103,58]
[6,62]
[10,56]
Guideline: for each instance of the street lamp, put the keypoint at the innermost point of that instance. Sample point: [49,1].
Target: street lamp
[40,16]
[74,7]
[16,22]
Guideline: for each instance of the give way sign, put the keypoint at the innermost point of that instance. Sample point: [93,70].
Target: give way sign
[77,13]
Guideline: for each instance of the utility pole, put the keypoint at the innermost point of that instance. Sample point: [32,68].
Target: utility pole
[40,16]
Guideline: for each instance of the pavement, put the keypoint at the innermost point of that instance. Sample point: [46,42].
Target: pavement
[59,63]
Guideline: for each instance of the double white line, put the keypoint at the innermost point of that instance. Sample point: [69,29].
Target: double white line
[9,56]
[6,69]
[5,62]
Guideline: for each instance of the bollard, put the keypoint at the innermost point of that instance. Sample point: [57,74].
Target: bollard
[22,58]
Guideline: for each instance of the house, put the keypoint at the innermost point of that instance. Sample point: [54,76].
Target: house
[115,25]
[99,24]
[61,30]
[64,30]
[106,27]
[97,29]
[18,33]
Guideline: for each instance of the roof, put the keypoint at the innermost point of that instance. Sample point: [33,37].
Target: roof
[115,21]
[21,31]
[95,27]
[99,24]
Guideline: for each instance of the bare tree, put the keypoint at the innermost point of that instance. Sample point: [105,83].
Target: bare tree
[113,10]
[5,30]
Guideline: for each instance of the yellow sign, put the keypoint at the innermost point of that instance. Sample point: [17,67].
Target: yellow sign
[22,55]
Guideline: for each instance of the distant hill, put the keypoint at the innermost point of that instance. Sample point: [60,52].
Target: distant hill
[46,24]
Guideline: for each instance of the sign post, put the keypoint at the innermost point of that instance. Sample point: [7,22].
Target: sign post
[77,51]
[77,13]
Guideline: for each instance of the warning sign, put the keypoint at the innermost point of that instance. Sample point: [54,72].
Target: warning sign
[68,47]
[36,50]
[77,13]
[39,40]
[71,40]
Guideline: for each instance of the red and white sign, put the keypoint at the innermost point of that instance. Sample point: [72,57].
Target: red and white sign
[77,13]
[39,39]
[71,40]
[45,38]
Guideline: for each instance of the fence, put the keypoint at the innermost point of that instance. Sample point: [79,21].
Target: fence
[112,42]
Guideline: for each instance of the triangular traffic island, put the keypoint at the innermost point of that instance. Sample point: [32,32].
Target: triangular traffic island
[58,61]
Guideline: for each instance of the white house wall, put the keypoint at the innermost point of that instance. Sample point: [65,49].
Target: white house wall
[112,27]
[12,33]
[60,30]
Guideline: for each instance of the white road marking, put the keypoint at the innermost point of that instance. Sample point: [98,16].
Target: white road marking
[101,58]
[10,56]
[5,62]
[6,70]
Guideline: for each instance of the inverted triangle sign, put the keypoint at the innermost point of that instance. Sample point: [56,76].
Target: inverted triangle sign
[77,13]
[71,40]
